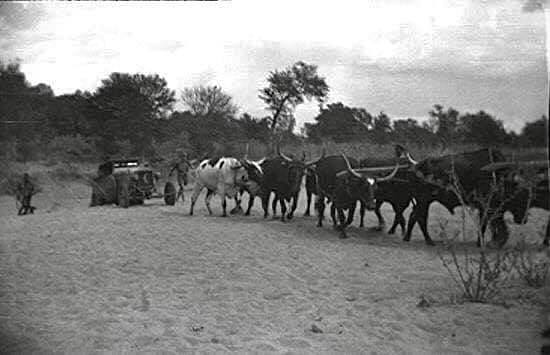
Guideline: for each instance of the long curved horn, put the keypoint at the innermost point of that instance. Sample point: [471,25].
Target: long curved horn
[279,153]
[349,168]
[390,176]
[410,159]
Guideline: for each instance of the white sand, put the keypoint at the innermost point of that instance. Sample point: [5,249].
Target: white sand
[152,279]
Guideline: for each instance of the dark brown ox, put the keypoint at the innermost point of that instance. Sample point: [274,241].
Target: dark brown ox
[282,176]
[526,185]
[458,179]
[343,185]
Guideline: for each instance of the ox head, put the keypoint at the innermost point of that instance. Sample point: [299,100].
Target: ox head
[363,184]
[297,168]
[241,174]
[524,186]
[255,175]
[255,172]
[423,175]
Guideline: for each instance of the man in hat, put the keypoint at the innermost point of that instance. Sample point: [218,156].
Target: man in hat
[181,167]
[25,190]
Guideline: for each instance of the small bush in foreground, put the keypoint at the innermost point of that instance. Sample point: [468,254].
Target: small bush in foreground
[532,266]
[479,275]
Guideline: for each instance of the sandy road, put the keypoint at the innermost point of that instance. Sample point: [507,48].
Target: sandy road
[152,279]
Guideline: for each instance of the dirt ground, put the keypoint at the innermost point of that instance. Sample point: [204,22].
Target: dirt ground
[152,279]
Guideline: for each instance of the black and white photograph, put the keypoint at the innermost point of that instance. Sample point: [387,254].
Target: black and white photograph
[274,177]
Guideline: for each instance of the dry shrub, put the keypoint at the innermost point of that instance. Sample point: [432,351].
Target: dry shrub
[531,265]
[479,275]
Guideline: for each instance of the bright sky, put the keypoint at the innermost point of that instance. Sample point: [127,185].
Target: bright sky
[400,57]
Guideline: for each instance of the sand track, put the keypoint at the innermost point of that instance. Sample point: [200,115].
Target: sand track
[152,279]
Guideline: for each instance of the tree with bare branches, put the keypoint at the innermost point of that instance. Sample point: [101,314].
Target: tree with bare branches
[209,101]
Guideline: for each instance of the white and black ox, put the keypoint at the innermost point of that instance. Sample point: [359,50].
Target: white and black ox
[225,177]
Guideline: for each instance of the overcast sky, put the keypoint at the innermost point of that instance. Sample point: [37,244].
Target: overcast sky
[400,57]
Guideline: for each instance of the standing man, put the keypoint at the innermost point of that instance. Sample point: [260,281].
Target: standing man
[25,190]
[181,167]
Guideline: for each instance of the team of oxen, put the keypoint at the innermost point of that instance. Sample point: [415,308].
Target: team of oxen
[481,179]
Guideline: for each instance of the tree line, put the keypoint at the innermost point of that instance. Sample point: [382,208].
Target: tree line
[134,114]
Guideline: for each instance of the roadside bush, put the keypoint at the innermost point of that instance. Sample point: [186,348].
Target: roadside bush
[531,265]
[71,148]
[481,274]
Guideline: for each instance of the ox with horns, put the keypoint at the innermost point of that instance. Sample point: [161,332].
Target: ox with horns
[460,179]
[282,176]
[527,186]
[397,191]
[343,185]
[224,176]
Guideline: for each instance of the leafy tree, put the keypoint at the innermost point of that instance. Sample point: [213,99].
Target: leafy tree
[445,123]
[483,129]
[70,115]
[132,106]
[289,88]
[209,101]
[255,128]
[340,123]
[409,131]
[23,108]
[535,133]
[382,130]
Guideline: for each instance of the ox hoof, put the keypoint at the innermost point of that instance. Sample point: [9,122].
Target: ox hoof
[430,243]
[289,216]
[391,231]
[406,239]
[306,214]
[343,235]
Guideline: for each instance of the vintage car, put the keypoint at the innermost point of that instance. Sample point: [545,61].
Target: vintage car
[127,182]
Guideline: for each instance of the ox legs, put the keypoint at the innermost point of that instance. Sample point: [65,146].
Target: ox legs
[381,221]
[419,214]
[333,216]
[362,209]
[351,214]
[207,199]
[283,206]
[343,223]
[320,206]
[250,203]
[308,194]
[196,192]
[238,199]
[274,206]
[265,203]
[294,206]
